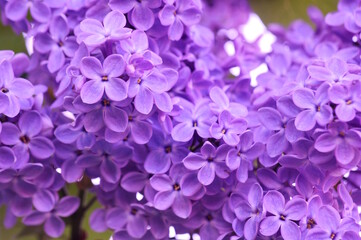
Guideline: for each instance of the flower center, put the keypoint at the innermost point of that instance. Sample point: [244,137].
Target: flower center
[24,139]
[342,134]
[282,217]
[105,103]
[318,108]
[209,217]
[105,78]
[224,131]
[60,44]
[130,118]
[195,124]
[176,187]
[310,223]
[4,90]
[209,159]
[133,211]
[139,80]
[168,149]
[349,102]
[333,235]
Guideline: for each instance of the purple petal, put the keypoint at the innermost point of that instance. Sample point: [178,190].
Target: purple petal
[71,172]
[134,181]
[303,98]
[290,230]
[144,100]
[157,162]
[325,143]
[161,182]
[141,132]
[16,10]
[44,201]
[137,226]
[40,12]
[305,120]
[164,200]
[207,174]
[163,102]
[296,209]
[41,147]
[193,161]
[116,89]
[142,17]
[56,60]
[97,220]
[115,119]
[344,152]
[116,218]
[67,206]
[92,91]
[270,225]
[21,88]
[30,123]
[182,207]
[255,195]
[328,219]
[54,226]
[274,202]
[270,118]
[183,132]
[91,68]
[277,144]
[7,157]
[35,218]
[110,172]
[176,30]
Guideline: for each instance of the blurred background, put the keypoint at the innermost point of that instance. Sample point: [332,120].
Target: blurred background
[280,11]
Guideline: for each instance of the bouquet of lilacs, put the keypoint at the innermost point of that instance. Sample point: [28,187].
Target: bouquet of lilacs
[135,105]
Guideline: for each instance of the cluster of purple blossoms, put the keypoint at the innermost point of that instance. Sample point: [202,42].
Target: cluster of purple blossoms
[137,104]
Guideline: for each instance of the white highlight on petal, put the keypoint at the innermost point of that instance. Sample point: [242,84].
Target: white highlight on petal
[266,41]
[172,233]
[184,236]
[253,29]
[139,196]
[69,115]
[346,175]
[96,181]
[58,170]
[262,68]
[359,210]
[29,43]
[294,184]
[196,236]
[230,48]
[235,71]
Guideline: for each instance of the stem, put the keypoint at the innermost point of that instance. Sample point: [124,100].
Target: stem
[76,219]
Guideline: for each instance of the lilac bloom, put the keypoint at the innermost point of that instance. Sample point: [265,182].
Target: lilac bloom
[7,157]
[278,142]
[209,162]
[341,140]
[316,108]
[12,90]
[309,222]
[228,128]
[283,215]
[26,137]
[22,178]
[131,217]
[57,43]
[222,103]
[103,78]
[108,159]
[241,157]
[335,70]
[141,14]
[17,10]
[95,33]
[138,127]
[346,15]
[330,225]
[163,152]
[174,190]
[193,118]
[251,211]
[348,100]
[148,90]
[54,226]
[184,13]
[105,113]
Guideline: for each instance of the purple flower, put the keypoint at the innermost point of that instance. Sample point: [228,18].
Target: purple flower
[103,78]
[193,118]
[341,140]
[57,43]
[209,162]
[17,10]
[12,90]
[54,226]
[175,190]
[141,13]
[241,157]
[250,211]
[148,90]
[26,137]
[95,33]
[163,152]
[283,215]
[335,70]
[330,225]
[348,100]
[228,128]
[316,109]
[184,13]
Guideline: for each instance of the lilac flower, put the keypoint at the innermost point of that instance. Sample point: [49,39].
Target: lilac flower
[330,225]
[315,105]
[184,13]
[17,10]
[194,118]
[95,33]
[339,139]
[12,90]
[251,211]
[228,128]
[141,14]
[103,79]
[148,90]
[163,152]
[335,70]
[174,191]
[283,214]
[54,226]
[209,162]
[242,156]
[347,99]
[26,137]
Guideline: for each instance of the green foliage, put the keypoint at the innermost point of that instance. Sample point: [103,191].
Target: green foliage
[10,41]
[285,11]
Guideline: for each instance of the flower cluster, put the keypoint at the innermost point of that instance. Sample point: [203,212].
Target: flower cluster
[135,102]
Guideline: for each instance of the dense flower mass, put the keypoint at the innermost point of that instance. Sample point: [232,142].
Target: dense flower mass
[142,105]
